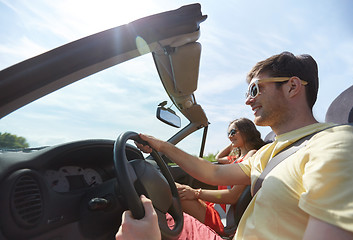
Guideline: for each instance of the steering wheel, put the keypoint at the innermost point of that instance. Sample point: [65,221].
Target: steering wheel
[138,177]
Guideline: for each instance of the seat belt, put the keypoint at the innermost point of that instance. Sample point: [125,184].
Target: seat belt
[286,152]
[234,218]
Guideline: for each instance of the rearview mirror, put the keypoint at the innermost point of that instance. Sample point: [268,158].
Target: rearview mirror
[168,116]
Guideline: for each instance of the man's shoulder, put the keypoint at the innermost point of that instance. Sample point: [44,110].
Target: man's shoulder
[336,129]
[331,146]
[334,133]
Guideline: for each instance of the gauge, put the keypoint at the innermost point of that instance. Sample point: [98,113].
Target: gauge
[92,177]
[71,170]
[57,181]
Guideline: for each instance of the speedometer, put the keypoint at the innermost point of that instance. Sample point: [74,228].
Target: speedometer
[57,181]
[92,177]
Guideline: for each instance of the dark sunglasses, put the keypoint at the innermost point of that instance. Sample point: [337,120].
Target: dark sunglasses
[253,89]
[232,132]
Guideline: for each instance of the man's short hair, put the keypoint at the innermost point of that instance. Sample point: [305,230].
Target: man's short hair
[286,64]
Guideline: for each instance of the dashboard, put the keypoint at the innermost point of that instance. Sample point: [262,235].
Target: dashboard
[61,192]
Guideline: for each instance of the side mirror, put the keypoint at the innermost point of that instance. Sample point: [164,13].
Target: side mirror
[168,116]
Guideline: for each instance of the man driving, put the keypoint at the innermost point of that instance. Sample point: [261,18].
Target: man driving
[309,194]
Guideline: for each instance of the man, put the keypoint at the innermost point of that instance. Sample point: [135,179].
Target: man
[308,195]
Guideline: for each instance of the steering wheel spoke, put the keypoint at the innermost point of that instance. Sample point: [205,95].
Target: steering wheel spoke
[131,172]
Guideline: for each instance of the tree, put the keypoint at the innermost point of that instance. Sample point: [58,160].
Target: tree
[210,157]
[8,140]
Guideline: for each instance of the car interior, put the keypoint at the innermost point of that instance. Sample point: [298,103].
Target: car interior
[79,189]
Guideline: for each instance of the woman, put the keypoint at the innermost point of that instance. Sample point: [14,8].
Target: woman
[208,205]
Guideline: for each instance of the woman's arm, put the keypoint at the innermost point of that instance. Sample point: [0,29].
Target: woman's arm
[222,156]
[227,196]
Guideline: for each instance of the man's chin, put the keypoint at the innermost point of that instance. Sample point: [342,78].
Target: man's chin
[259,121]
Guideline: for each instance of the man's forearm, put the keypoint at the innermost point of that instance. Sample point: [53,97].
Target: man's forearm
[204,170]
[197,167]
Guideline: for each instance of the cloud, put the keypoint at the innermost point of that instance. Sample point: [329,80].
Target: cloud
[217,84]
[19,50]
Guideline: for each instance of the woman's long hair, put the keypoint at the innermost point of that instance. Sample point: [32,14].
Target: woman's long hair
[251,136]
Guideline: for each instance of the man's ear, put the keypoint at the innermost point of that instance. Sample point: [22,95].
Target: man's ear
[294,86]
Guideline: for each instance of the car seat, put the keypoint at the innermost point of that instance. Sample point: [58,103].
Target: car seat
[235,213]
[341,109]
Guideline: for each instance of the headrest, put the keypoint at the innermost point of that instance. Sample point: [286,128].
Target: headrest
[341,109]
[270,137]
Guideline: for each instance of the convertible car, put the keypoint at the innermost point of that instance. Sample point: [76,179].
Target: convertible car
[79,189]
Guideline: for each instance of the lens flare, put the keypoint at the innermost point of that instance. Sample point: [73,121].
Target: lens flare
[142,45]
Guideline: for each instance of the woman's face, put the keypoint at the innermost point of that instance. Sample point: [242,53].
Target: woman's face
[235,136]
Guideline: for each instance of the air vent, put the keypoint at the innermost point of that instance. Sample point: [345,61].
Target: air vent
[26,201]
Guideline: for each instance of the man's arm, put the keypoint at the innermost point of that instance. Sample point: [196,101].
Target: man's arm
[145,228]
[205,171]
[319,230]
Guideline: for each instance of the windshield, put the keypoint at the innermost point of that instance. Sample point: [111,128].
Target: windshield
[101,106]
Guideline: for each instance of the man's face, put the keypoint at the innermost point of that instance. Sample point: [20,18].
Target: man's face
[269,105]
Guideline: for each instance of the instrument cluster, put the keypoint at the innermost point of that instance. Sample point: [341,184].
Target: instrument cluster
[71,178]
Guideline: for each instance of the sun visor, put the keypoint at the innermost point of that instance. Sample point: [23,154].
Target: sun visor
[196,115]
[178,68]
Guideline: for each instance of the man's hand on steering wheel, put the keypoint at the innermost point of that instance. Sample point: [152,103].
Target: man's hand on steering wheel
[152,143]
[145,228]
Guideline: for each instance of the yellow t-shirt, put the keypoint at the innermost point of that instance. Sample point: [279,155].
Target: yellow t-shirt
[316,180]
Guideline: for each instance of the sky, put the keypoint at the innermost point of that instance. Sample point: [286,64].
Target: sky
[235,36]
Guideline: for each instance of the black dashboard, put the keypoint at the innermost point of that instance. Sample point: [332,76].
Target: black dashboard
[67,191]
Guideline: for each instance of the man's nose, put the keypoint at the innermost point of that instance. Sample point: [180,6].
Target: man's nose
[249,100]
